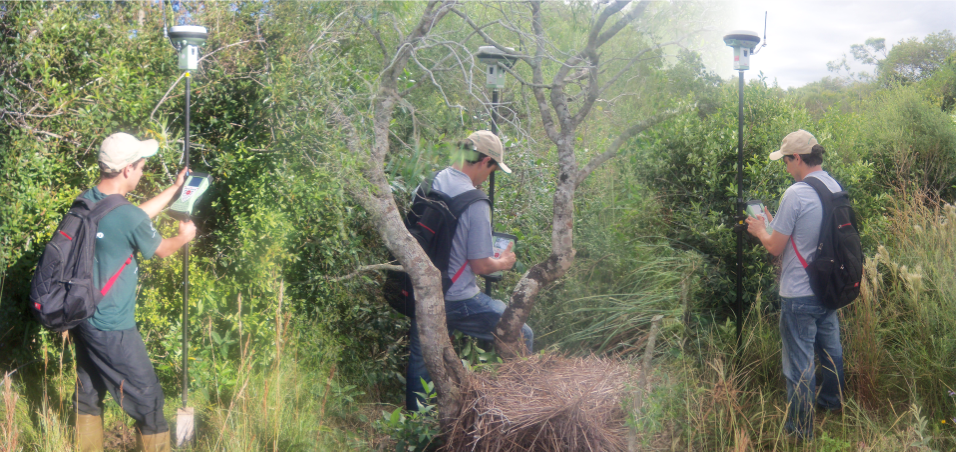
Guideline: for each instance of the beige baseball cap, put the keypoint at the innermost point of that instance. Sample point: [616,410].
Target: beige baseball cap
[488,143]
[799,142]
[121,149]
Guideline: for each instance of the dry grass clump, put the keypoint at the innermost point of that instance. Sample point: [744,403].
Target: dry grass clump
[9,430]
[544,403]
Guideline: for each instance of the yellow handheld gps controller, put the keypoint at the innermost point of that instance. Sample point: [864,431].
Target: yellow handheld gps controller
[196,184]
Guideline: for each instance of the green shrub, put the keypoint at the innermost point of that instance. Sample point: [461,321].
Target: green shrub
[911,140]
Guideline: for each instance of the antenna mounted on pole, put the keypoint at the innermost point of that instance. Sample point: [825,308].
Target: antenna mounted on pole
[764,43]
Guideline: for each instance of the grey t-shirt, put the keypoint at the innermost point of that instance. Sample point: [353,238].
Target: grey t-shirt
[472,238]
[799,216]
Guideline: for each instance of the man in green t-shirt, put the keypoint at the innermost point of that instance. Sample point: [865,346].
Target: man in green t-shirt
[110,353]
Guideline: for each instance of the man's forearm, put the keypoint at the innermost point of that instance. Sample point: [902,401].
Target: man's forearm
[170,245]
[156,205]
[489,265]
[774,243]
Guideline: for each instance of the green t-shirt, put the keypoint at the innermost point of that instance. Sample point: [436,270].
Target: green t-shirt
[119,235]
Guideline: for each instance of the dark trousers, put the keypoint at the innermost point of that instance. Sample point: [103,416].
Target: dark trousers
[116,361]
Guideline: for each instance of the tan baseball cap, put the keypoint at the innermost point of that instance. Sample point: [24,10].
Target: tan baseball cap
[120,149]
[799,142]
[488,143]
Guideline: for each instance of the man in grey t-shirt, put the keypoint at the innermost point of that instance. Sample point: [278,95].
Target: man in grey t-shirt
[467,309]
[807,328]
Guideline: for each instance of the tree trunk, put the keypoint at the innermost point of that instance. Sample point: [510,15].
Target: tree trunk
[442,362]
[508,331]
[375,196]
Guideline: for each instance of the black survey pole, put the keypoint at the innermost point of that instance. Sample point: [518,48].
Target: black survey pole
[743,42]
[186,268]
[489,284]
[494,130]
[739,207]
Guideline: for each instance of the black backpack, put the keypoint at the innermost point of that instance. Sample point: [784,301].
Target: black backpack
[837,268]
[432,220]
[62,293]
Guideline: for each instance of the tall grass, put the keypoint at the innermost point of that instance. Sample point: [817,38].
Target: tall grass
[9,430]
[899,348]
[617,320]
[904,332]
[294,404]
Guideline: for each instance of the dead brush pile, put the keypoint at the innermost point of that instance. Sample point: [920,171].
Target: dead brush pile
[544,403]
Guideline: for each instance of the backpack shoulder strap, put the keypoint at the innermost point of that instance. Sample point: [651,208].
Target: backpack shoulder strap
[826,196]
[87,204]
[425,187]
[105,206]
[461,202]
[803,261]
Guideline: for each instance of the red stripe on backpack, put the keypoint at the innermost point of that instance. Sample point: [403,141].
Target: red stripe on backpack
[112,280]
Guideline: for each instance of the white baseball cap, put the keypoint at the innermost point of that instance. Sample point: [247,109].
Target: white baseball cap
[121,149]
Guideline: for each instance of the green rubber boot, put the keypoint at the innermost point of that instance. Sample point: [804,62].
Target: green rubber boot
[89,433]
[153,443]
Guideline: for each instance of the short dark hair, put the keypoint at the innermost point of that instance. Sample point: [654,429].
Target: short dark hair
[814,158]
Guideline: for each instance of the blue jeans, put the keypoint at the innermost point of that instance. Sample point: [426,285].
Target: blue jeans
[808,328]
[476,317]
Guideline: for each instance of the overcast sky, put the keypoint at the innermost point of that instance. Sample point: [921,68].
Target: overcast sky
[802,36]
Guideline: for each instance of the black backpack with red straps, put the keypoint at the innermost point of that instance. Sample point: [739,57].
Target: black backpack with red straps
[432,220]
[62,293]
[837,267]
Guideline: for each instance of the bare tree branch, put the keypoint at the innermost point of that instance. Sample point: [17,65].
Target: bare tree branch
[209,54]
[547,120]
[163,99]
[554,108]
[634,13]
[28,115]
[376,35]
[521,80]
[593,36]
[591,52]
[368,268]
[481,32]
[613,149]
[637,57]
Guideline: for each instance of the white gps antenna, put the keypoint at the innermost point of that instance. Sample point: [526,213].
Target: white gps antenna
[187,39]
[493,56]
[744,42]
